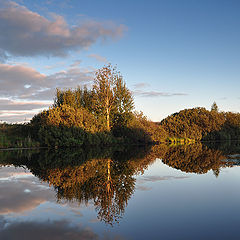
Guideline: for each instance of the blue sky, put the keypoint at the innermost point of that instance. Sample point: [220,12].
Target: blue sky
[172,54]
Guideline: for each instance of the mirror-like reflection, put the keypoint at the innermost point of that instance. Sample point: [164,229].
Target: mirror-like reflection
[195,158]
[104,177]
[200,158]
[107,177]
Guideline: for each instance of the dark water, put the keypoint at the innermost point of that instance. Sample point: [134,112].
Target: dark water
[163,192]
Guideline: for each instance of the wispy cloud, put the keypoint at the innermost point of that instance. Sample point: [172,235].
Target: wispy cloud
[223,98]
[98,58]
[142,93]
[140,89]
[163,178]
[141,85]
[17,116]
[20,111]
[27,33]
[6,104]
[56,65]
[143,188]
[146,179]
[76,63]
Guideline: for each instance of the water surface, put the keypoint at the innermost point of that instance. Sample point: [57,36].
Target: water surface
[163,192]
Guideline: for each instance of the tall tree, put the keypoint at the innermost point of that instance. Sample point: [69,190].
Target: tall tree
[103,92]
[214,107]
[124,103]
[110,94]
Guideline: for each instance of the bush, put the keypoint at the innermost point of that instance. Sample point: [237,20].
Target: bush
[61,136]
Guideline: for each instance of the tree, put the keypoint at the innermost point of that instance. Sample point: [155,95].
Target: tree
[65,97]
[214,107]
[123,104]
[76,98]
[111,96]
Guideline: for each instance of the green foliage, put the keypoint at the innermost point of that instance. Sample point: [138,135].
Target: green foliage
[68,116]
[193,123]
[214,107]
[16,135]
[123,104]
[61,136]
[106,177]
[230,130]
[112,99]
[102,114]
[139,130]
[85,175]
[76,98]
[194,158]
[201,124]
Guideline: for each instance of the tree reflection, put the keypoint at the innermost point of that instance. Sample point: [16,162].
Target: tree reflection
[196,158]
[108,182]
[106,177]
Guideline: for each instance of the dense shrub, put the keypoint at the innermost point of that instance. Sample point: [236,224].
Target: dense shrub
[193,123]
[61,136]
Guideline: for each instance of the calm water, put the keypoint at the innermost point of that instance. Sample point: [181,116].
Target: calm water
[166,192]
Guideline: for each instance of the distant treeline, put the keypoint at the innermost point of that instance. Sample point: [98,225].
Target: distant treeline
[104,115]
[201,124]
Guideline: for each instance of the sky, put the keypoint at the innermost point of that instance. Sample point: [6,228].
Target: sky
[172,54]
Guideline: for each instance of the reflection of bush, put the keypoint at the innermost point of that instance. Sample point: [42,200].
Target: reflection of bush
[107,181]
[104,176]
[108,184]
[227,147]
[195,158]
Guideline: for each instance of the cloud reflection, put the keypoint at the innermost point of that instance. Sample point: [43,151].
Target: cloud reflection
[21,191]
[54,230]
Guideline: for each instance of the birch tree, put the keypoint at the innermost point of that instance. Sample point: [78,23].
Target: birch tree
[111,95]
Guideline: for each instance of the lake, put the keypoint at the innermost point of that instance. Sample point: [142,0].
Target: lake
[160,192]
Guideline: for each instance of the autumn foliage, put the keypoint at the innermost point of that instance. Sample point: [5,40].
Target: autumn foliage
[201,124]
[101,115]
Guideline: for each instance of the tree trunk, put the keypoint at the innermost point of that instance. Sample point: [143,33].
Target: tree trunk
[108,113]
[108,124]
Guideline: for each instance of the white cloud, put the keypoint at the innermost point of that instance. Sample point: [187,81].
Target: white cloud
[19,103]
[13,105]
[27,33]
[15,200]
[15,78]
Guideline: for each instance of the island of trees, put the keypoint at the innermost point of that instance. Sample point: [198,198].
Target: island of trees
[104,115]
